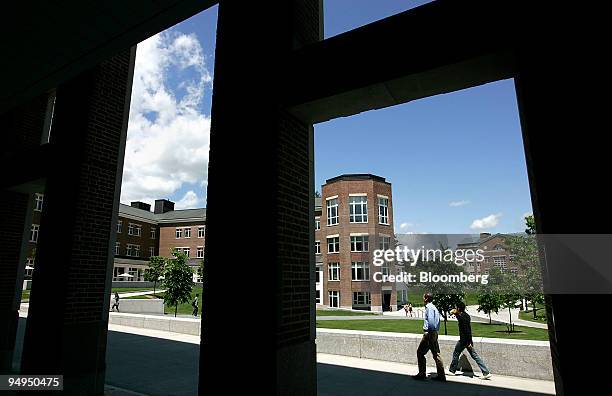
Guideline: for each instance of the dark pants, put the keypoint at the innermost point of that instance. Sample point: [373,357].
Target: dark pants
[429,342]
[195,311]
[461,345]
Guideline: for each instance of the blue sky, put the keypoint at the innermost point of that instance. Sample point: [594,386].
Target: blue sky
[456,161]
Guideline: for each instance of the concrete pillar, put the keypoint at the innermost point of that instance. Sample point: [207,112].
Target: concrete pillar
[261,159]
[22,128]
[68,315]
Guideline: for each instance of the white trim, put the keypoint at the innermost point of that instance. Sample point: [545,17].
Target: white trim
[382,196]
[384,235]
[358,195]
[359,234]
[332,197]
[333,236]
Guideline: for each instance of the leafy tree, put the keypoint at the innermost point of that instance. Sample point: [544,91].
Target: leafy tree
[530,224]
[507,287]
[524,252]
[488,302]
[155,270]
[317,194]
[178,280]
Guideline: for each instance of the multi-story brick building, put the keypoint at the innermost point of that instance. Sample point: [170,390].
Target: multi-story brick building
[493,249]
[142,234]
[354,217]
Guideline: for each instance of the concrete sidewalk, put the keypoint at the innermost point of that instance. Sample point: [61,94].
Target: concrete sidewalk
[504,317]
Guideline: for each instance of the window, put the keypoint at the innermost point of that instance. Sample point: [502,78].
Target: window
[318,274]
[500,262]
[186,251]
[317,247]
[402,296]
[334,271]
[29,267]
[361,298]
[333,244]
[334,298]
[383,210]
[38,204]
[384,242]
[119,226]
[153,232]
[117,248]
[187,232]
[134,229]
[200,252]
[360,271]
[384,269]
[498,247]
[318,297]
[136,250]
[179,233]
[360,243]
[132,250]
[200,232]
[332,211]
[358,209]
[34,233]
[317,223]
[151,251]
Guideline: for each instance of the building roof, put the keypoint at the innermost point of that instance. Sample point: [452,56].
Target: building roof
[173,216]
[357,176]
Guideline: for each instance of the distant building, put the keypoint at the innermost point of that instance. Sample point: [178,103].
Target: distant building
[494,250]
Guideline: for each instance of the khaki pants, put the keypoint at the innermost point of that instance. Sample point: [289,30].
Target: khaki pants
[430,342]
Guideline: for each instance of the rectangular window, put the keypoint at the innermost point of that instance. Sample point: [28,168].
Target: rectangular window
[179,233]
[402,296]
[134,229]
[384,242]
[136,250]
[119,226]
[334,298]
[29,266]
[332,211]
[334,271]
[361,298]
[187,232]
[500,262]
[317,224]
[38,204]
[34,233]
[360,271]
[333,244]
[117,248]
[151,251]
[318,274]
[317,247]
[200,232]
[200,252]
[153,233]
[138,230]
[186,251]
[130,229]
[318,296]
[383,210]
[384,269]
[358,209]
[129,250]
[360,243]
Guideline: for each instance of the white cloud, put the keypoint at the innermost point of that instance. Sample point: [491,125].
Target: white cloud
[486,222]
[458,203]
[403,226]
[168,134]
[190,200]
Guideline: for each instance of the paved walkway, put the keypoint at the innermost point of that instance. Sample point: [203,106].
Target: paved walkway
[504,317]
[140,293]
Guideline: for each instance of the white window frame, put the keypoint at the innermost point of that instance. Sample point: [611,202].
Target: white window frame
[362,239]
[153,232]
[38,202]
[355,201]
[317,247]
[151,251]
[201,232]
[119,226]
[384,242]
[34,230]
[333,216]
[356,266]
[117,248]
[335,242]
[187,232]
[317,223]
[200,252]
[383,210]
[178,233]
[333,272]
[334,295]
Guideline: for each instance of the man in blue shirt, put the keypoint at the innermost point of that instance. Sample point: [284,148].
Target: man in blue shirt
[431,326]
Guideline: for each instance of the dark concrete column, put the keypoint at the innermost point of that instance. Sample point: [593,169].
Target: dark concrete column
[22,129]
[260,173]
[68,316]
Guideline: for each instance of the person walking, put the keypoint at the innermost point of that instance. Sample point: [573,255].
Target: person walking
[429,342]
[195,306]
[116,304]
[465,342]
[406,309]
[410,309]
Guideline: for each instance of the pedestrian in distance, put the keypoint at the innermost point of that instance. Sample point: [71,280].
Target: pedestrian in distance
[410,309]
[195,306]
[116,304]
[429,342]
[406,309]
[465,342]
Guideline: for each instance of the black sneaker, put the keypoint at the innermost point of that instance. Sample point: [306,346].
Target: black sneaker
[419,377]
[439,378]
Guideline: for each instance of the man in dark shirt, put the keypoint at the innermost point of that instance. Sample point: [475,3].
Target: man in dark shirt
[465,342]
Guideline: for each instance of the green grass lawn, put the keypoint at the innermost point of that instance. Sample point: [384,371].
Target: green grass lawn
[131,289]
[186,308]
[415,296]
[528,315]
[416,326]
[25,295]
[333,312]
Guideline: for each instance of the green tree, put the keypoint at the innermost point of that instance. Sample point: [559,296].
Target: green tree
[178,280]
[317,194]
[530,224]
[507,287]
[524,253]
[488,302]
[155,270]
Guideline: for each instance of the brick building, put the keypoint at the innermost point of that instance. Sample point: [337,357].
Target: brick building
[493,249]
[353,217]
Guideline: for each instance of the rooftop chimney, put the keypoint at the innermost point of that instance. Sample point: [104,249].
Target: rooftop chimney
[141,205]
[484,235]
[163,206]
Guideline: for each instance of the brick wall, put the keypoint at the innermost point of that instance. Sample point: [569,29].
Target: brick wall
[168,240]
